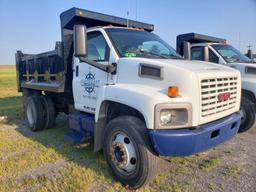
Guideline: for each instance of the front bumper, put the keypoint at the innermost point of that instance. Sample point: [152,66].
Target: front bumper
[182,142]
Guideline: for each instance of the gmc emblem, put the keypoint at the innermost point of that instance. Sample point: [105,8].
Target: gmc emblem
[223,97]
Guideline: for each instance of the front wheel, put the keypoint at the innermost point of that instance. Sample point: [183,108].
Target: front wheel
[247,111]
[127,151]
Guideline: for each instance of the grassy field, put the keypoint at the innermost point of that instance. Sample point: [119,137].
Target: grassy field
[45,161]
[10,102]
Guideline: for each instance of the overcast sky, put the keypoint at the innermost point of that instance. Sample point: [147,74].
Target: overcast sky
[33,26]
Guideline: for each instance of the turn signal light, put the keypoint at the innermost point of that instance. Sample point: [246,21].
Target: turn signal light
[173,91]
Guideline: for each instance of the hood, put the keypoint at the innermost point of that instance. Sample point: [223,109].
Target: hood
[246,69]
[178,72]
[196,66]
[170,66]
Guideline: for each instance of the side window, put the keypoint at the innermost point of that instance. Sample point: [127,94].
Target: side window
[97,47]
[197,53]
[213,57]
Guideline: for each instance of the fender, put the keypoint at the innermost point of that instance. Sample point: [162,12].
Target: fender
[249,84]
[141,98]
[248,79]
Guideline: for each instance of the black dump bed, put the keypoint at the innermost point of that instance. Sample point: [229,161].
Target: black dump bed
[44,71]
[195,38]
[52,71]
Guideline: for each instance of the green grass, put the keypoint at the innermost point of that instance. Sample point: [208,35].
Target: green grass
[210,163]
[10,99]
[214,187]
[8,83]
[233,170]
[44,161]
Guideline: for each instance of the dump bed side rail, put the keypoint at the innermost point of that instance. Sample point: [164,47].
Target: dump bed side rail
[44,71]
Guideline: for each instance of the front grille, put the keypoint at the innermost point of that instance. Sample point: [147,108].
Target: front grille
[211,89]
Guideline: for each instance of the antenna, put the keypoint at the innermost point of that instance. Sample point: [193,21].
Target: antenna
[127,13]
[239,41]
[136,9]
[127,19]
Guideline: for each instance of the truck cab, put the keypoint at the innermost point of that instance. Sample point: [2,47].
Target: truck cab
[216,50]
[130,92]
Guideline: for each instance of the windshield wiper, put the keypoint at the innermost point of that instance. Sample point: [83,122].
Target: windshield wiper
[154,54]
[148,53]
[175,56]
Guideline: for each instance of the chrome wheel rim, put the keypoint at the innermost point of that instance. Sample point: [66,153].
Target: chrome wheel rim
[243,115]
[30,115]
[123,153]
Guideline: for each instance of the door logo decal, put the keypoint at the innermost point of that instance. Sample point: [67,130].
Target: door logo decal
[89,83]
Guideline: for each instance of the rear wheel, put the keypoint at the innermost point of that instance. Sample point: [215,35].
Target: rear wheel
[247,111]
[127,151]
[26,93]
[49,111]
[34,113]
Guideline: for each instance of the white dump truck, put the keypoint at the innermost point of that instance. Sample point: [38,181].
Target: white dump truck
[216,50]
[130,92]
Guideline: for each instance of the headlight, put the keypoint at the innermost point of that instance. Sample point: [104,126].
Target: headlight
[171,116]
[165,117]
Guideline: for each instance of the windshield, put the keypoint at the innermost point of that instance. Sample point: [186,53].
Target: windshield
[230,54]
[135,43]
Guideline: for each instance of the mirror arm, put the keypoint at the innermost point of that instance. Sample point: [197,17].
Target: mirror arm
[107,68]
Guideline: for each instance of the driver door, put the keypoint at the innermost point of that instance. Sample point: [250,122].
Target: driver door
[87,79]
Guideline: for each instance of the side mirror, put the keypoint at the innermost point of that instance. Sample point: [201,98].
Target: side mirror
[220,61]
[80,40]
[206,54]
[186,50]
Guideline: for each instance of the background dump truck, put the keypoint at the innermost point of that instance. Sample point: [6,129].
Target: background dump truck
[130,92]
[216,50]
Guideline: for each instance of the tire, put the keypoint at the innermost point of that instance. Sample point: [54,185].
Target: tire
[35,113]
[49,111]
[247,111]
[26,93]
[127,151]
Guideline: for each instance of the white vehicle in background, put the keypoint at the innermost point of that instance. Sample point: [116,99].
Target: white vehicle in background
[130,92]
[206,48]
